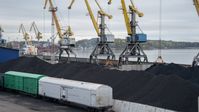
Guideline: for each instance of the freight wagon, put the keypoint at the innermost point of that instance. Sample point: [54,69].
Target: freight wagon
[1,80]
[23,82]
[95,97]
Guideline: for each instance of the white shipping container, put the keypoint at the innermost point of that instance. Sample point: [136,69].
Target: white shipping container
[87,94]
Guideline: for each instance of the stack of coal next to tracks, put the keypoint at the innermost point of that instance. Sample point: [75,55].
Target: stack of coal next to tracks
[168,86]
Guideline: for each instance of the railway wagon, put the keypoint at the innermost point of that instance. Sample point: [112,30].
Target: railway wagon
[93,96]
[1,80]
[23,82]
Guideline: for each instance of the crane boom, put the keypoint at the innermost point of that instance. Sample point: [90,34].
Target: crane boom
[38,34]
[55,18]
[101,12]
[23,31]
[92,18]
[196,3]
[133,9]
[126,17]
[70,6]
[53,10]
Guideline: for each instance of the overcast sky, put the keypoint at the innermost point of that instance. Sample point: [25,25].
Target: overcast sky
[180,21]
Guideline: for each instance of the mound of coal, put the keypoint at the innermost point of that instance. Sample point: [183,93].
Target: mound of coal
[166,91]
[187,73]
[25,64]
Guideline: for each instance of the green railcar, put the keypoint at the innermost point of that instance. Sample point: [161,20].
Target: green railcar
[24,82]
[1,80]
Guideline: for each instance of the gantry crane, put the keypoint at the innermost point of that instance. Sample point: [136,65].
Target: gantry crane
[134,40]
[66,42]
[38,34]
[196,58]
[102,48]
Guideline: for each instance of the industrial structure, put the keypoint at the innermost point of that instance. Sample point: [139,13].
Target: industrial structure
[2,41]
[66,42]
[134,40]
[38,34]
[28,48]
[196,58]
[102,48]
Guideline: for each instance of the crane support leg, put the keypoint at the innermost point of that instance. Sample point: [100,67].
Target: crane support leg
[133,50]
[101,50]
[68,52]
[196,61]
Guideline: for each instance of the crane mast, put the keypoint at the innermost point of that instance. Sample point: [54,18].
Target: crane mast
[66,42]
[196,58]
[38,34]
[134,40]
[102,48]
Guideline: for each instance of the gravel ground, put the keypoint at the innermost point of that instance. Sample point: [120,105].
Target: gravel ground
[21,103]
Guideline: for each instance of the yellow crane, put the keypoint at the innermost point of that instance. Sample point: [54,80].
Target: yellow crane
[28,48]
[196,3]
[26,36]
[38,34]
[102,47]
[133,48]
[196,58]
[66,42]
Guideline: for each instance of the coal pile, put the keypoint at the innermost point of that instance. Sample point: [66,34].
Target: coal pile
[170,90]
[187,73]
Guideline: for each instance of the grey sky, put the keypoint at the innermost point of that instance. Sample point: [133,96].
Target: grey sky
[180,20]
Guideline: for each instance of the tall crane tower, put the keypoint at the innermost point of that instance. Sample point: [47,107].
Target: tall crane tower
[38,34]
[66,42]
[196,58]
[102,48]
[133,48]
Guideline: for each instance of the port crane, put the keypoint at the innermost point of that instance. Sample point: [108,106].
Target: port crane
[196,58]
[28,48]
[38,34]
[66,42]
[26,36]
[102,48]
[134,40]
